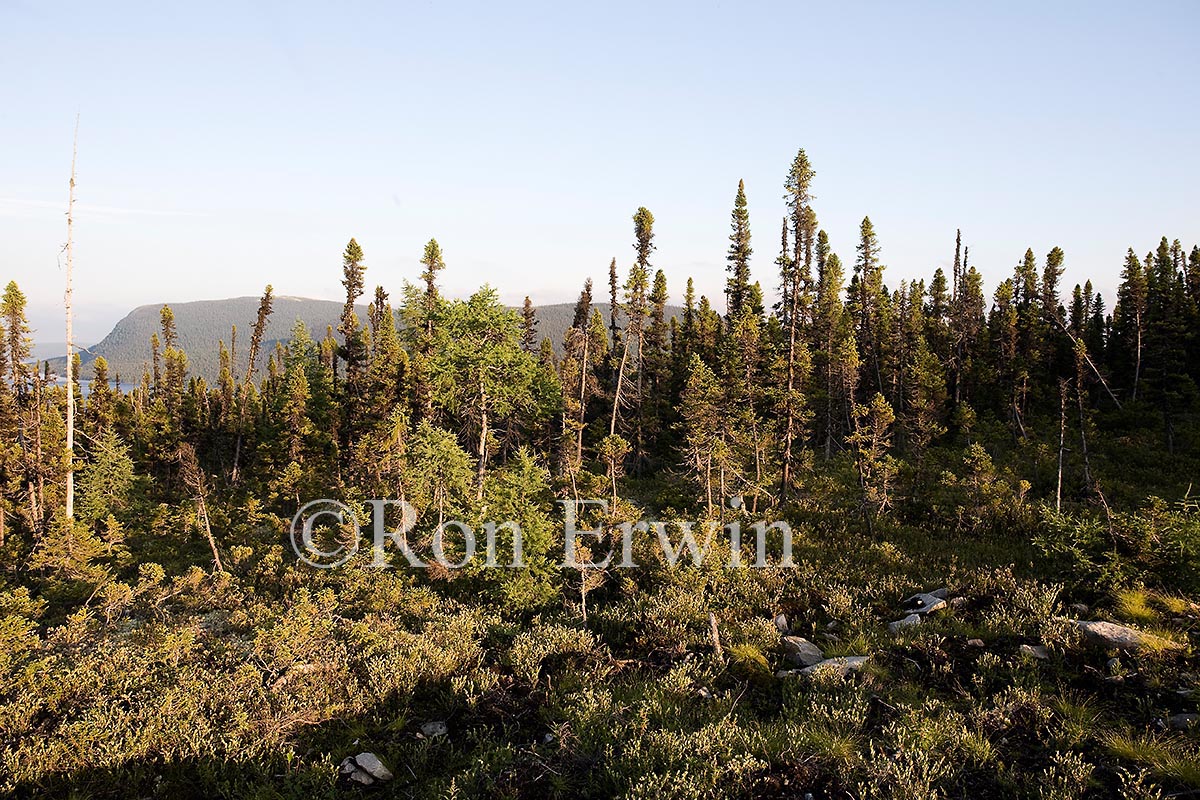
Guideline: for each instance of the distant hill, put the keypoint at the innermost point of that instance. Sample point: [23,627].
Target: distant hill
[201,324]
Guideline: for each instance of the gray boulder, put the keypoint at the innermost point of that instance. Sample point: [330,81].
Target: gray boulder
[1036,651]
[1121,637]
[843,665]
[907,622]
[365,769]
[801,651]
[431,730]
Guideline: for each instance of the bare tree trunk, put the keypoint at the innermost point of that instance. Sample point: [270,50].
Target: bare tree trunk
[1062,441]
[789,428]
[483,430]
[612,428]
[67,302]
[1137,370]
[1092,364]
[202,513]
[582,402]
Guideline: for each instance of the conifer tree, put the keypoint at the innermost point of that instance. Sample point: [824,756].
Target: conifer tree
[16,326]
[1129,321]
[480,370]
[422,313]
[737,286]
[265,306]
[871,442]
[614,285]
[703,428]
[529,323]
[353,351]
[870,303]
[832,328]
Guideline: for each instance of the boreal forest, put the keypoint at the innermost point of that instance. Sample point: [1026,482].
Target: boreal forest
[995,570]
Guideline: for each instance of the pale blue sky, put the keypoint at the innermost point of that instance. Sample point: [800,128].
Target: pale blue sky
[227,145]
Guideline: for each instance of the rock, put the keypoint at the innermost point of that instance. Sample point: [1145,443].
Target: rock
[1079,609]
[365,768]
[907,622]
[1122,637]
[431,730]
[1037,651]
[843,665]
[942,593]
[781,623]
[924,603]
[957,603]
[1183,722]
[975,643]
[802,651]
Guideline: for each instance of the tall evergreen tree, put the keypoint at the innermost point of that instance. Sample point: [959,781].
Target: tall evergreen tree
[737,286]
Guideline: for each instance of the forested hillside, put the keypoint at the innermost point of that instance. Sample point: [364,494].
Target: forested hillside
[1022,455]
[202,325]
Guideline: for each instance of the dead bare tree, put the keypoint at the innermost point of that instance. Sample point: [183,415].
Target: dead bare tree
[193,478]
[67,302]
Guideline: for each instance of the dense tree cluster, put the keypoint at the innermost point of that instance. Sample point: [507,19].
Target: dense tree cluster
[756,402]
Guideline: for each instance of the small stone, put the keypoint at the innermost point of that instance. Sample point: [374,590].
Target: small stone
[1079,609]
[802,651]
[1037,651]
[704,693]
[844,665]
[781,623]
[434,729]
[1183,722]
[924,603]
[975,643]
[907,622]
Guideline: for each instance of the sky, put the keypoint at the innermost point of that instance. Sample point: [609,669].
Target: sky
[224,146]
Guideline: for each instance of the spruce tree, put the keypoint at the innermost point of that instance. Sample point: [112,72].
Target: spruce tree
[353,351]
[737,286]
[528,326]
[870,303]
[18,342]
